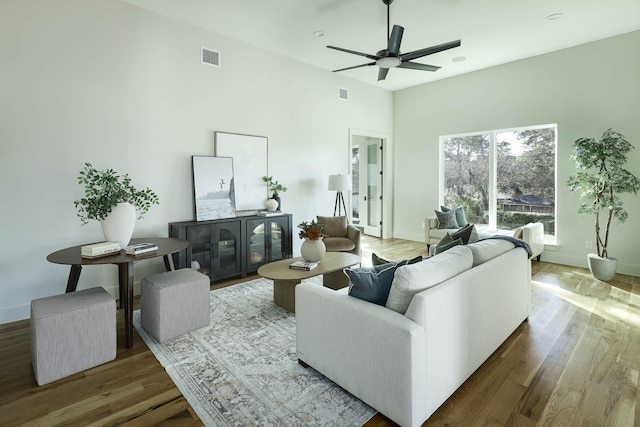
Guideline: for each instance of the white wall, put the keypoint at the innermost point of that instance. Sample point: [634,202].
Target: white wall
[108,83]
[585,90]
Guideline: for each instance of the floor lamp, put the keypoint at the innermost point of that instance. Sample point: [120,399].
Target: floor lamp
[340,184]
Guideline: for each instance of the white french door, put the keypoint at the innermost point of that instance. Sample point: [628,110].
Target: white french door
[366,172]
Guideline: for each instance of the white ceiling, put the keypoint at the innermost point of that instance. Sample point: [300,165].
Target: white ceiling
[493,32]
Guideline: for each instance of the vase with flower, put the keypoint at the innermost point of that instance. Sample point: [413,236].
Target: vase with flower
[313,248]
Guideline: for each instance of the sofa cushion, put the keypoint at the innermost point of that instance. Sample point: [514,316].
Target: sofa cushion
[447,243]
[487,249]
[464,233]
[376,260]
[338,244]
[372,283]
[334,226]
[447,219]
[412,279]
[461,218]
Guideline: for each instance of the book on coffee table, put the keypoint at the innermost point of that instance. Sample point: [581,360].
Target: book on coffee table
[303,265]
[99,249]
[141,248]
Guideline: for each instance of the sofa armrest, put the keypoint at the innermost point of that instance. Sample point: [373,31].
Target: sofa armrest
[533,234]
[374,353]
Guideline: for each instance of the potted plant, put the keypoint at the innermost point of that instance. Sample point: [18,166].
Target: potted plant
[313,248]
[112,199]
[275,187]
[600,179]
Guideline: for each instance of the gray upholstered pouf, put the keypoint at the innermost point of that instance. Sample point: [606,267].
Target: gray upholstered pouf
[174,303]
[72,332]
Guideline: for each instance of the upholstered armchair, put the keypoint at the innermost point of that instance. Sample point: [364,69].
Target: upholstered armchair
[342,237]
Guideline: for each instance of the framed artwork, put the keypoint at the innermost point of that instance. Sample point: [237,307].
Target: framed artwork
[213,187]
[249,155]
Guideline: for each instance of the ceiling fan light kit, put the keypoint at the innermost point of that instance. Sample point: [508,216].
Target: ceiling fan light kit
[391,56]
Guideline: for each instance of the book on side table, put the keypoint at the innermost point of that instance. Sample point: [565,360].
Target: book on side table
[99,249]
[141,248]
[303,265]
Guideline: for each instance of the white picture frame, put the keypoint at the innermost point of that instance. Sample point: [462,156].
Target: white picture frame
[249,153]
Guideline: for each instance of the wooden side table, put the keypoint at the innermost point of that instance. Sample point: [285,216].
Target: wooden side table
[72,256]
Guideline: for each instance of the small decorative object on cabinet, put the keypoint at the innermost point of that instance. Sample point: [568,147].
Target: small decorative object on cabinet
[224,248]
[276,188]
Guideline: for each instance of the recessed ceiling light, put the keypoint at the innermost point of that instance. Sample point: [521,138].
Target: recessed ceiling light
[554,16]
[318,33]
[459,59]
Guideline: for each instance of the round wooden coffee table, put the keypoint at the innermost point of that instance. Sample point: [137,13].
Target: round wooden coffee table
[285,279]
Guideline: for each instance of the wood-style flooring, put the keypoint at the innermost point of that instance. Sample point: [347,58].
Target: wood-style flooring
[576,362]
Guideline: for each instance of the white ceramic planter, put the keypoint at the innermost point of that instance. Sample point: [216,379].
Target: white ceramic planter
[271,204]
[602,268]
[313,250]
[119,225]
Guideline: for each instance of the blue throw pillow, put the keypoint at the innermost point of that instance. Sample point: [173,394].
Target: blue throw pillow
[372,284]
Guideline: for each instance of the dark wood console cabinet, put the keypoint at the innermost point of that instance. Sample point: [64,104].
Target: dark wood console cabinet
[229,247]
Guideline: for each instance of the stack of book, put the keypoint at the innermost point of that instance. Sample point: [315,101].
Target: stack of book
[303,265]
[141,248]
[100,249]
[269,213]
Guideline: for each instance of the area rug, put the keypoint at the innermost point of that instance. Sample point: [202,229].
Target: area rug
[242,369]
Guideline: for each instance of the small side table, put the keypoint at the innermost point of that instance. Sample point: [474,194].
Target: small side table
[72,256]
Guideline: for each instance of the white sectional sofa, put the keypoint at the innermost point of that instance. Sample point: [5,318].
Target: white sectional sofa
[407,365]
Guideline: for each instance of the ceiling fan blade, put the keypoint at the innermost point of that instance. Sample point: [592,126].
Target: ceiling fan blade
[429,51]
[355,66]
[366,55]
[418,66]
[394,41]
[382,73]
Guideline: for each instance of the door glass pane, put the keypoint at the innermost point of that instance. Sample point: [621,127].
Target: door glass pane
[355,177]
[373,175]
[466,175]
[526,178]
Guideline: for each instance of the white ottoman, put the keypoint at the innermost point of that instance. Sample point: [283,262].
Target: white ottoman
[174,303]
[72,332]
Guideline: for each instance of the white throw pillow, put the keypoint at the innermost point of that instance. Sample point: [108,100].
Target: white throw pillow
[487,249]
[412,279]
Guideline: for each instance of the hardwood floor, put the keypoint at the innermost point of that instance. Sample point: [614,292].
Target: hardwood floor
[575,362]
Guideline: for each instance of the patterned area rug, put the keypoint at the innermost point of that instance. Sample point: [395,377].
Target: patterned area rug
[242,369]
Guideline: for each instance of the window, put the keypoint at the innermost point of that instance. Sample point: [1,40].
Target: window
[503,178]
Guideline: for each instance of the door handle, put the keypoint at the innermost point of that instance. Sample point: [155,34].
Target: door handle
[365,198]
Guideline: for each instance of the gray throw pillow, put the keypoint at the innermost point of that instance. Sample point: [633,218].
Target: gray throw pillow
[464,233]
[372,284]
[461,217]
[447,219]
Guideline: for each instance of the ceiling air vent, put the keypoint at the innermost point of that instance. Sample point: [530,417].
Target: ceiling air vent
[344,94]
[210,57]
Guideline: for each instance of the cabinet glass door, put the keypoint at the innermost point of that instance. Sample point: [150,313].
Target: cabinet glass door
[277,240]
[257,244]
[227,257]
[199,250]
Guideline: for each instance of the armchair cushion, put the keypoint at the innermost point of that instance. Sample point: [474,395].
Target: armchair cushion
[447,219]
[339,244]
[334,226]
[461,218]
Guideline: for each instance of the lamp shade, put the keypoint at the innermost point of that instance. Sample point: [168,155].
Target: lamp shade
[339,183]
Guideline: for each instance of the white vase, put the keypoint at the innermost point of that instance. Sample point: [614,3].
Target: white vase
[602,268]
[313,250]
[119,224]
[271,204]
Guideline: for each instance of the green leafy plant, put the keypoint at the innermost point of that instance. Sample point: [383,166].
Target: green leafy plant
[105,189]
[274,186]
[600,179]
[311,230]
